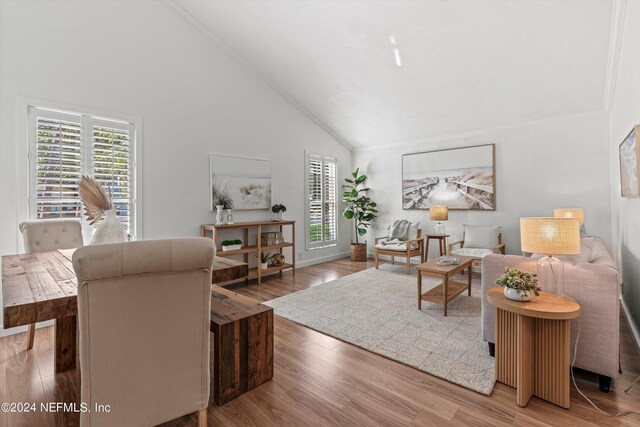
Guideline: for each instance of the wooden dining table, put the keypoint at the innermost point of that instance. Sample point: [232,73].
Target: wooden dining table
[42,286]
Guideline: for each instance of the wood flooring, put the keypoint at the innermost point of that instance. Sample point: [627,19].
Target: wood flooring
[321,381]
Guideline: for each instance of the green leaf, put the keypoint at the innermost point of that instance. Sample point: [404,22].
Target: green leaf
[349,180]
[362,231]
[348,214]
[355,174]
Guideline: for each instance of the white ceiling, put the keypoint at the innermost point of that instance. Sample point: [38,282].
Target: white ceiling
[466,65]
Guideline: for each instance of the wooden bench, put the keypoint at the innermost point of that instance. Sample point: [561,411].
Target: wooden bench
[243,344]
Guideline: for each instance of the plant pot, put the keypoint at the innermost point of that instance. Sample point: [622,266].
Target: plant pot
[264,265]
[358,252]
[514,294]
[231,248]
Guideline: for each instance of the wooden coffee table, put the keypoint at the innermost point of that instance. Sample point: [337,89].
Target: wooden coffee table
[449,288]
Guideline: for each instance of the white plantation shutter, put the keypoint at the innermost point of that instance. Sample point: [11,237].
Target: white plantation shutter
[63,147]
[58,166]
[322,203]
[111,157]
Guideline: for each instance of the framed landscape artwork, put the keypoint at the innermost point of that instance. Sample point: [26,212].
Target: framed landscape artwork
[460,178]
[239,183]
[629,153]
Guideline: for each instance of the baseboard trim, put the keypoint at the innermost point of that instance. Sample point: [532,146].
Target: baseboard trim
[635,331]
[320,260]
[21,329]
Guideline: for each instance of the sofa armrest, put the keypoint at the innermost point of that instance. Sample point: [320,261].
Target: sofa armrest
[597,289]
[378,239]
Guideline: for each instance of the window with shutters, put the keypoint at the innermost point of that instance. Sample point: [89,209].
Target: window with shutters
[322,216]
[66,145]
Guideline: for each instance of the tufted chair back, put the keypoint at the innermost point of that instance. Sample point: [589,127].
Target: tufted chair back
[50,234]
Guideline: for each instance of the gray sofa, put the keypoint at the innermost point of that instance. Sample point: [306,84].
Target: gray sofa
[592,279]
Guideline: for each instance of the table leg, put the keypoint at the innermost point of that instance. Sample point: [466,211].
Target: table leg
[469,280]
[552,347]
[445,292]
[426,250]
[440,246]
[445,245]
[419,290]
[525,370]
[65,343]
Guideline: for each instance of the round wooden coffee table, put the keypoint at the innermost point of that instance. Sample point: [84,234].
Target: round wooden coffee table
[533,342]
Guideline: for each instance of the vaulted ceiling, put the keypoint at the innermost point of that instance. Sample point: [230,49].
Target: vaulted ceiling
[465,65]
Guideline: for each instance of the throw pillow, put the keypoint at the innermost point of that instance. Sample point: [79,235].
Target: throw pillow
[478,236]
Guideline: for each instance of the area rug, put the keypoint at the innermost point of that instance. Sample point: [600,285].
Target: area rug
[377,310]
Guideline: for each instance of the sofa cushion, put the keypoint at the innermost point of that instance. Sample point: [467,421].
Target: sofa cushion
[394,232]
[479,236]
[395,246]
[600,255]
[478,253]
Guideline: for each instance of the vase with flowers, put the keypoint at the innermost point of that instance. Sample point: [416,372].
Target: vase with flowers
[518,285]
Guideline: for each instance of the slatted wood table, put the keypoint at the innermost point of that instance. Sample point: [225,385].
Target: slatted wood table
[243,344]
[533,341]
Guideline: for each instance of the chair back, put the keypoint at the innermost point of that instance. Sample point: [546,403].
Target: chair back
[50,234]
[419,233]
[144,319]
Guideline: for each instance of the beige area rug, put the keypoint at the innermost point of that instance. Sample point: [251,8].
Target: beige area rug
[377,310]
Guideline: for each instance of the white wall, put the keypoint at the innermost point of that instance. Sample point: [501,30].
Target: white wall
[139,58]
[625,114]
[539,166]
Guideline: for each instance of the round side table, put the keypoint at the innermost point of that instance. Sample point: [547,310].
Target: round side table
[533,345]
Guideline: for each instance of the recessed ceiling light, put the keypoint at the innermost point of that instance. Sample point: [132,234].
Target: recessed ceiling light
[396,52]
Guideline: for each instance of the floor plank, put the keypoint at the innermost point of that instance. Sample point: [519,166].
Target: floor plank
[321,381]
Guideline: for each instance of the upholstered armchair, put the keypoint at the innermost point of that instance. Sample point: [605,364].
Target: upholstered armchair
[478,241]
[48,235]
[143,320]
[412,247]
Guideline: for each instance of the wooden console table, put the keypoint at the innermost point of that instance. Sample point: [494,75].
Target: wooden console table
[213,230]
[533,341]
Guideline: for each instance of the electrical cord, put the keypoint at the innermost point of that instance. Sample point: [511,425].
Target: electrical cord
[575,353]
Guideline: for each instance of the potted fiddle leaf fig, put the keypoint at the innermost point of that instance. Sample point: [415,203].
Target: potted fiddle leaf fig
[359,208]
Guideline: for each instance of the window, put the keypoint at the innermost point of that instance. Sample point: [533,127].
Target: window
[322,216]
[63,147]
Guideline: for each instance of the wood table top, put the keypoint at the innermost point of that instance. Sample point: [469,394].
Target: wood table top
[546,306]
[37,287]
[228,306]
[432,266]
[247,224]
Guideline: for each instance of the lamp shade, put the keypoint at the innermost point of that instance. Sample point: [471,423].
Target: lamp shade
[439,213]
[570,213]
[550,236]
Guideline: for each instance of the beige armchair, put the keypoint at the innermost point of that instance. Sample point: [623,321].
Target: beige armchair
[478,241]
[143,320]
[409,249]
[48,235]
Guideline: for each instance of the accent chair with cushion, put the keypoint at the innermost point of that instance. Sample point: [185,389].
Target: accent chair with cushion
[48,235]
[143,320]
[408,244]
[478,241]
[591,278]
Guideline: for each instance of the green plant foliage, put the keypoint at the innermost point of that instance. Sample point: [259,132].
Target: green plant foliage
[359,206]
[278,208]
[265,257]
[231,242]
[519,280]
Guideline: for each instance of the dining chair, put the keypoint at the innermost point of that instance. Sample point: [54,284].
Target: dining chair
[144,320]
[48,235]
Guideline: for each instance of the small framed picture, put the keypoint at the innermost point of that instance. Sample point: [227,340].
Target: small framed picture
[629,154]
